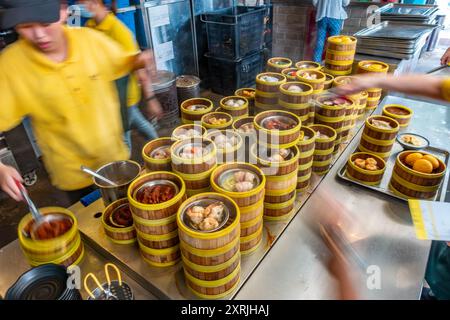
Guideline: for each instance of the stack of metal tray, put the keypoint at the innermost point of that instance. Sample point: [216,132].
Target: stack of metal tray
[393,39]
[408,12]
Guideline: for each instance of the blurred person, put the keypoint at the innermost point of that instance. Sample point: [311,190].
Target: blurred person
[104,21]
[63,79]
[438,269]
[330,18]
[445,60]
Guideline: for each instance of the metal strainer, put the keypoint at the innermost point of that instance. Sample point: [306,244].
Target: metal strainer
[112,290]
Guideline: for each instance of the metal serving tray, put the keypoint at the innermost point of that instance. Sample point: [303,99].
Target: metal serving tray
[382,53]
[408,10]
[383,187]
[395,30]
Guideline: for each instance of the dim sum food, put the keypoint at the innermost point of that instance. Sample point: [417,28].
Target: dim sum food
[161,153]
[224,142]
[155,192]
[193,150]
[247,128]
[197,107]
[49,229]
[369,164]
[269,78]
[235,103]
[237,180]
[206,215]
[121,217]
[380,124]
[187,134]
[278,123]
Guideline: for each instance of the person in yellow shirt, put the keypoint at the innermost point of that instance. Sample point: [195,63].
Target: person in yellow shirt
[103,20]
[63,79]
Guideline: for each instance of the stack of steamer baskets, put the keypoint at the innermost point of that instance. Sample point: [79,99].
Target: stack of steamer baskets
[332,112]
[316,79]
[228,144]
[295,97]
[340,55]
[277,155]
[154,200]
[359,99]
[193,110]
[306,146]
[325,138]
[117,221]
[379,136]
[374,94]
[209,231]
[278,64]
[58,245]
[235,106]
[156,154]
[245,184]
[267,89]
[249,94]
[194,160]
[308,65]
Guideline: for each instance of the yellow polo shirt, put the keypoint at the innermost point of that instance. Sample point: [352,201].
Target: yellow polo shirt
[116,30]
[73,105]
[446,89]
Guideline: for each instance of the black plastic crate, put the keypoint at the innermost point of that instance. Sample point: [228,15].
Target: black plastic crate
[226,76]
[235,32]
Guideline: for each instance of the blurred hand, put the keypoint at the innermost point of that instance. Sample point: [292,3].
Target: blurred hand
[146,61]
[154,109]
[360,83]
[7,183]
[446,57]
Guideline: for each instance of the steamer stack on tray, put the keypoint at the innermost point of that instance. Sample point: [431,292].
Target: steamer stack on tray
[324,146]
[267,91]
[154,215]
[316,79]
[245,184]
[237,107]
[209,231]
[306,146]
[277,155]
[369,66]
[340,55]
[295,97]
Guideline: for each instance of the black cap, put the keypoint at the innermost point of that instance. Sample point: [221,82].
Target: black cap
[15,12]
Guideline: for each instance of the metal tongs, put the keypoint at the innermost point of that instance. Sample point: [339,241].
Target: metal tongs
[439,68]
[112,290]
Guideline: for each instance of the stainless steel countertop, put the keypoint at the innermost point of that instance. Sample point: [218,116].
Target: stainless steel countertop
[382,233]
[13,264]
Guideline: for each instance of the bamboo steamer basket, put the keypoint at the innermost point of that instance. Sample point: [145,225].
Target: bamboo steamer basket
[372,104]
[196,127]
[117,235]
[277,138]
[155,212]
[217,115]
[242,199]
[304,181]
[228,154]
[248,139]
[197,165]
[160,258]
[281,184]
[288,74]
[67,249]
[411,184]
[251,99]
[308,65]
[273,66]
[340,56]
[364,176]
[251,227]
[332,111]
[362,104]
[251,243]
[155,227]
[391,111]
[188,116]
[324,148]
[163,241]
[196,182]
[267,92]
[328,81]
[152,164]
[269,168]
[372,66]
[376,140]
[279,211]
[317,84]
[207,244]
[274,197]
[296,102]
[306,147]
[235,111]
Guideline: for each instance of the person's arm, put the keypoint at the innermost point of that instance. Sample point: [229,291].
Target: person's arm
[422,85]
[446,57]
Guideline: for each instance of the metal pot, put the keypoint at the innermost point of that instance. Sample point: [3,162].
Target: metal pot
[121,172]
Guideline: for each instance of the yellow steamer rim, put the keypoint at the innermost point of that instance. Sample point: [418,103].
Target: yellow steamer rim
[48,246]
[195,115]
[271,63]
[324,140]
[187,127]
[387,119]
[154,207]
[205,235]
[337,40]
[404,154]
[373,66]
[228,108]
[403,120]
[149,147]
[112,230]
[281,77]
[266,163]
[237,123]
[176,159]
[321,77]
[162,254]
[240,93]
[280,133]
[221,115]
[312,65]
[377,174]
